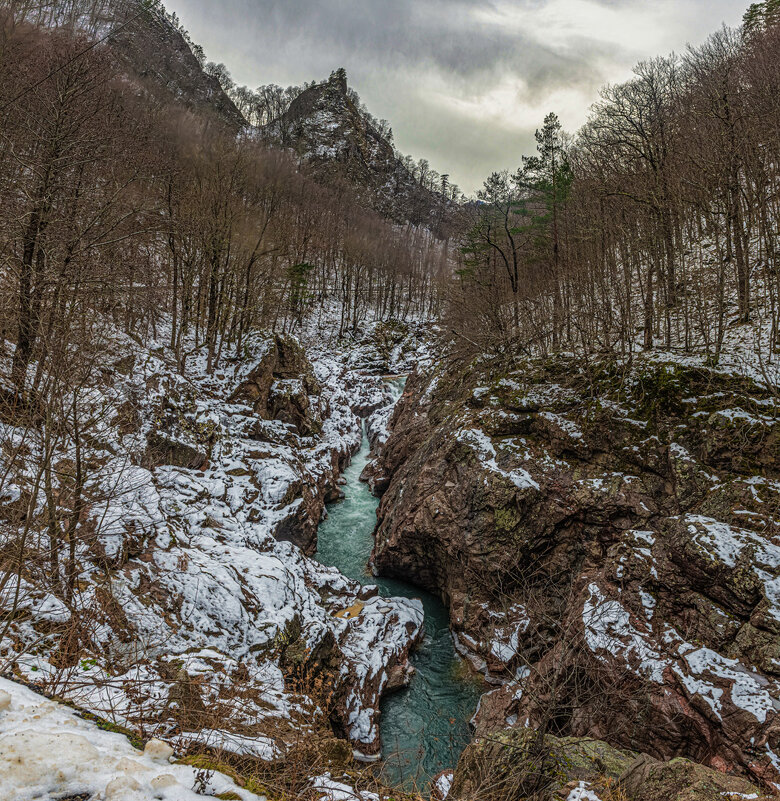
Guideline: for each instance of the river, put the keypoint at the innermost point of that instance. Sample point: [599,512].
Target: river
[423,727]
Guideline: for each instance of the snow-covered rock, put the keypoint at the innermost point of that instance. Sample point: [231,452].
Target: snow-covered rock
[624,525]
[196,608]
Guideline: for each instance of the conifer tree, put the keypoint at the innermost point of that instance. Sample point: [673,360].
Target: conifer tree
[547,177]
[761,16]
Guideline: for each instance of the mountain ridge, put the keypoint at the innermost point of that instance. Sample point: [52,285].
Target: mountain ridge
[156,50]
[328,131]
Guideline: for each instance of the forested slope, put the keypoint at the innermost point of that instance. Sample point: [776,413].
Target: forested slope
[167,447]
[654,226]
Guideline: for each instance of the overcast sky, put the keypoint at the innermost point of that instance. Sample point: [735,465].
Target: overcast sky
[464,83]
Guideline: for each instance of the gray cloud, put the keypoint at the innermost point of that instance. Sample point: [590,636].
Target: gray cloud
[463,82]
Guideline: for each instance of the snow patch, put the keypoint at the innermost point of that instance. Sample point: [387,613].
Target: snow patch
[482,446]
[582,793]
[47,752]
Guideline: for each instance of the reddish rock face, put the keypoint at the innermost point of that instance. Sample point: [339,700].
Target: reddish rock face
[607,547]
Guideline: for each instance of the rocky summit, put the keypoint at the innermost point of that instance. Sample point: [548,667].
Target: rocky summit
[325,126]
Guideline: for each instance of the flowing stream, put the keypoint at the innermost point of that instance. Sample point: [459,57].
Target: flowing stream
[423,727]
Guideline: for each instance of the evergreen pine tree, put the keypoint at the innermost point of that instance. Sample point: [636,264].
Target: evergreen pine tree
[761,16]
[547,178]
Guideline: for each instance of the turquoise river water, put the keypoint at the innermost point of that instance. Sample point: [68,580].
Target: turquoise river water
[423,727]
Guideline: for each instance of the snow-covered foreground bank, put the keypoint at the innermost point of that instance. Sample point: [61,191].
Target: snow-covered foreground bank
[48,752]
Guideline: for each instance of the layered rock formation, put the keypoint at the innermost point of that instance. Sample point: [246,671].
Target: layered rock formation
[605,535]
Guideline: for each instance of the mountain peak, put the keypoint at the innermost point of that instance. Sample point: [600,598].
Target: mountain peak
[330,129]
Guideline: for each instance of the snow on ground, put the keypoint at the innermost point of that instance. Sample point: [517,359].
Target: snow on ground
[582,793]
[47,752]
[486,452]
[443,785]
[368,651]
[729,545]
[329,790]
[608,628]
[188,594]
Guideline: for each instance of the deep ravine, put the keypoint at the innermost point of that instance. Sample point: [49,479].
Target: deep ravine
[425,726]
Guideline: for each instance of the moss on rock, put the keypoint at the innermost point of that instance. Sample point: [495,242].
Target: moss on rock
[515,764]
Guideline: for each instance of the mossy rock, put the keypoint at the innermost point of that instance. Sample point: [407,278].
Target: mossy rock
[584,756]
[515,764]
[213,765]
[507,519]
[661,389]
[338,753]
[761,647]
[682,780]
[162,450]
[107,725]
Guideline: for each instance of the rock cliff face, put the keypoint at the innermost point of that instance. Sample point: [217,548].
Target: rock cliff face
[606,538]
[327,129]
[155,52]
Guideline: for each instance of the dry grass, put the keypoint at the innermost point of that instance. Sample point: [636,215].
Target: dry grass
[609,789]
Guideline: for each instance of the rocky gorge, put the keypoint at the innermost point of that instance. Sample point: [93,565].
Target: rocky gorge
[321,480]
[202,619]
[603,539]
[604,536]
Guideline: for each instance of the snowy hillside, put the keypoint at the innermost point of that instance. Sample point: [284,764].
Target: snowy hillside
[196,616]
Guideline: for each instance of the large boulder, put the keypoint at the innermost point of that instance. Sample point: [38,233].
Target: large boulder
[281,385]
[518,764]
[682,780]
[179,434]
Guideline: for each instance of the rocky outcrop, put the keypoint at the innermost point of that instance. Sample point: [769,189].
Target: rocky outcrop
[281,386]
[194,616]
[166,450]
[388,634]
[392,347]
[154,51]
[606,544]
[516,764]
[326,127]
[278,385]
